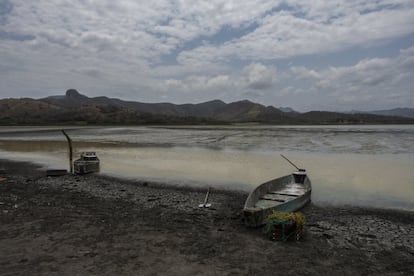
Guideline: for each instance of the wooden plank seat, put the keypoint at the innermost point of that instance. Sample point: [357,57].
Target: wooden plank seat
[275,197]
[285,194]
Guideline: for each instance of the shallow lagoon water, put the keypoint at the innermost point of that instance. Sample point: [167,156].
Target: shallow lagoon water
[358,165]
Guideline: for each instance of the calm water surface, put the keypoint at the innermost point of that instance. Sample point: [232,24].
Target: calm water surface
[360,165]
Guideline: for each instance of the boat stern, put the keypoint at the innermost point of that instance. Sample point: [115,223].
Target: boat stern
[255,217]
[299,176]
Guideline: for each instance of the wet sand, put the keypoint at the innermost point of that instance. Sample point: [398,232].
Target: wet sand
[98,225]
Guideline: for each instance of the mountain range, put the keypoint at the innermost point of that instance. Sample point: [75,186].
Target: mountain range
[403,112]
[75,108]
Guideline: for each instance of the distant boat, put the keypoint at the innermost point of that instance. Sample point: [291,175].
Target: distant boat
[285,194]
[87,163]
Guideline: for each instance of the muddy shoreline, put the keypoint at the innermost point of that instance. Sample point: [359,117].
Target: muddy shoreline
[99,225]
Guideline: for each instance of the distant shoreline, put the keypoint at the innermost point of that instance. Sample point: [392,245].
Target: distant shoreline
[75,125]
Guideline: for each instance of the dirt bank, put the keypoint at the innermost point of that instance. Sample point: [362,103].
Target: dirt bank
[97,225]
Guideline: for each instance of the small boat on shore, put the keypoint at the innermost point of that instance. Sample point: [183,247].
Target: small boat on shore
[285,194]
[87,163]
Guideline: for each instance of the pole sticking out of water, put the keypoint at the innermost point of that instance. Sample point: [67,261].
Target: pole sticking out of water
[70,151]
[292,163]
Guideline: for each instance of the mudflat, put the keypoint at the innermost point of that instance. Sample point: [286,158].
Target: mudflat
[99,225]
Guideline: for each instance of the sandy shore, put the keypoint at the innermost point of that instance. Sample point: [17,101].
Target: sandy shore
[97,225]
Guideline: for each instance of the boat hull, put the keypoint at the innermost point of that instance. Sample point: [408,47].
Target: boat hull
[84,167]
[278,195]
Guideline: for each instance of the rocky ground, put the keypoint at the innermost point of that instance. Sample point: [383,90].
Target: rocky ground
[98,225]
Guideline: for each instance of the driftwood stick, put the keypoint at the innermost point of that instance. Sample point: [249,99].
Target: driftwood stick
[70,151]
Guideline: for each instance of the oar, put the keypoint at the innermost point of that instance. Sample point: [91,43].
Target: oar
[292,163]
[205,204]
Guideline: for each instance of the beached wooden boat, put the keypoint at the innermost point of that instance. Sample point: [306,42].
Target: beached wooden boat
[87,163]
[285,194]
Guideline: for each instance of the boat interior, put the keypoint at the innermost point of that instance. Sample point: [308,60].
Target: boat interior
[281,195]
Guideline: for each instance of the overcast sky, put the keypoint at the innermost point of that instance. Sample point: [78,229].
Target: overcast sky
[308,55]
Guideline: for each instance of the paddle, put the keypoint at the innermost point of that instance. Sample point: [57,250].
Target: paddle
[301,170]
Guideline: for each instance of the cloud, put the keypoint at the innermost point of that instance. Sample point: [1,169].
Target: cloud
[308,28]
[259,77]
[91,72]
[199,84]
[372,82]
[186,51]
[5,8]
[149,30]
[254,76]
